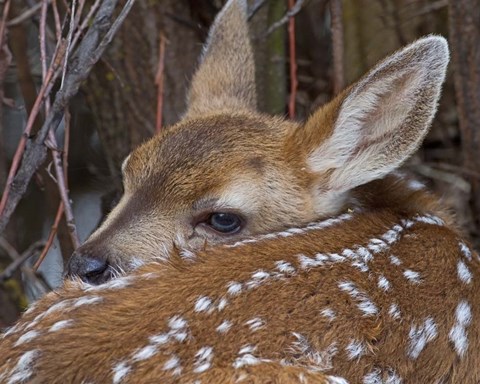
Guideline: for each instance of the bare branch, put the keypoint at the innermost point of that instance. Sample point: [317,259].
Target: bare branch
[337,45]
[18,260]
[293,61]
[25,15]
[284,20]
[80,64]
[159,81]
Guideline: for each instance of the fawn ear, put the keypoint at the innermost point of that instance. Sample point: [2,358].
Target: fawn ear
[377,123]
[225,79]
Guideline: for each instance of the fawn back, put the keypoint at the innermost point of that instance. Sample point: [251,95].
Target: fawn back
[226,171]
[365,297]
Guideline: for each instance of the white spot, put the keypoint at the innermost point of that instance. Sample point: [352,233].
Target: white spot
[234,288]
[430,219]
[177,322]
[373,377]
[465,251]
[87,300]
[224,327]
[222,304]
[420,335]
[458,334]
[162,338]
[60,325]
[172,363]
[333,257]
[355,349]
[395,260]
[30,309]
[285,267]
[304,352]
[203,304]
[24,368]
[415,185]
[9,331]
[26,337]
[364,303]
[308,262]
[119,283]
[258,277]
[357,262]
[391,236]
[377,245]
[246,359]
[413,276]
[120,371]
[328,313]
[145,353]
[310,227]
[463,272]
[247,349]
[255,324]
[364,254]
[377,376]
[203,359]
[383,283]
[336,380]
[394,312]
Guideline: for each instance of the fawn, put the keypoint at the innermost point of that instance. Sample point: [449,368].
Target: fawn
[274,252]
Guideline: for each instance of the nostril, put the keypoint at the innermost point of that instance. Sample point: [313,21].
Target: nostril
[90,269]
[94,269]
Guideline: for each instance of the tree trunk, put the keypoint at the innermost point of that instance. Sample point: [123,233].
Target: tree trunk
[465,44]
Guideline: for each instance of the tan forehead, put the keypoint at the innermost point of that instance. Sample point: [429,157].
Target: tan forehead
[199,156]
[212,143]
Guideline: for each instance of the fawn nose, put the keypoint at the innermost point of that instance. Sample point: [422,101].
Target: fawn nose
[90,269]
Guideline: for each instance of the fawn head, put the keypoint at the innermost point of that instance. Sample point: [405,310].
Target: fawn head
[227,171]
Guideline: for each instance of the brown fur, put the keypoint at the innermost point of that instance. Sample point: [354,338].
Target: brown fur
[226,156]
[309,304]
[104,334]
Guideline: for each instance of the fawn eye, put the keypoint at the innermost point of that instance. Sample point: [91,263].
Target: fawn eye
[224,222]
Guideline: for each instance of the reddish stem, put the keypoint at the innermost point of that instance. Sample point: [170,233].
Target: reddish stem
[293,62]
[159,81]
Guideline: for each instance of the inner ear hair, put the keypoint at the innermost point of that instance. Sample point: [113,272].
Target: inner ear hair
[382,119]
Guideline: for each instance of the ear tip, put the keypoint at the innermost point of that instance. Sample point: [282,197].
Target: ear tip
[242,4]
[436,45]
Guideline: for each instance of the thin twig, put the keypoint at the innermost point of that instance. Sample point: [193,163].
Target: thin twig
[85,22]
[293,61]
[337,45]
[62,176]
[43,47]
[6,10]
[69,42]
[41,97]
[25,15]
[18,259]
[88,53]
[255,8]
[284,20]
[56,18]
[159,81]
[63,191]
[51,237]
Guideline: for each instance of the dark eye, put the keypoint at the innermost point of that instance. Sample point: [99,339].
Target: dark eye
[225,222]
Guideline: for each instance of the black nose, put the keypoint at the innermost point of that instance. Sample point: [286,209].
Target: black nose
[90,269]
